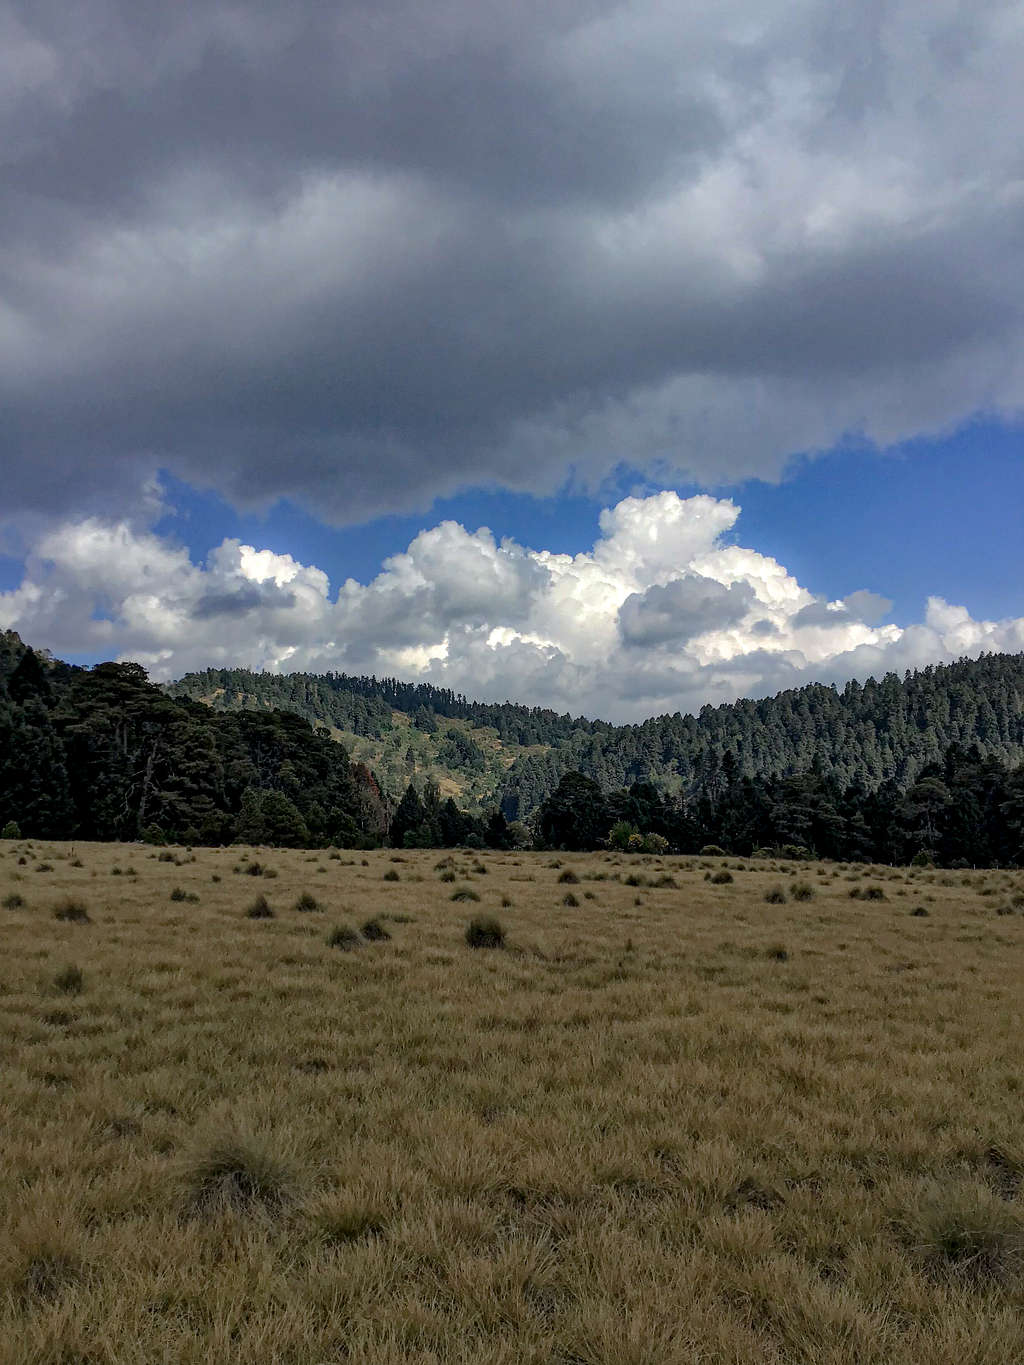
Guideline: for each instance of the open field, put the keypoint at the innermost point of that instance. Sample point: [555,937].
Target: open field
[675,1123]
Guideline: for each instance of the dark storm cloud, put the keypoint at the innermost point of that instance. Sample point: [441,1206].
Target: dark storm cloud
[362,255]
[237,602]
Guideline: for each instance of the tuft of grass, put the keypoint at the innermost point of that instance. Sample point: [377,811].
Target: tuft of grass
[447,875]
[720,878]
[179,895]
[464,893]
[778,953]
[374,932]
[69,980]
[344,937]
[802,891]
[391,875]
[41,1261]
[666,881]
[14,901]
[307,903]
[568,877]
[919,912]
[485,931]
[44,867]
[965,1231]
[867,893]
[775,895]
[72,911]
[570,899]
[240,1171]
[260,909]
[336,1219]
[254,869]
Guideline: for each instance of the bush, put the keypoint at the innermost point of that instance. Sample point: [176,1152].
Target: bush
[391,876]
[778,953]
[568,877]
[178,895]
[923,858]
[919,912]
[253,869]
[569,899]
[802,891]
[374,931]
[69,980]
[447,875]
[720,878]
[307,903]
[464,893]
[72,911]
[775,895]
[713,851]
[866,893]
[260,909]
[14,901]
[484,931]
[11,830]
[666,881]
[343,937]
[635,879]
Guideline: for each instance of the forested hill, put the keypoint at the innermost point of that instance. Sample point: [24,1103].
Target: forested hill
[866,734]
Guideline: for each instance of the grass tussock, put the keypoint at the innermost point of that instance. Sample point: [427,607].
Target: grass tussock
[307,904]
[236,1170]
[14,900]
[343,936]
[374,932]
[485,931]
[70,980]
[72,911]
[260,908]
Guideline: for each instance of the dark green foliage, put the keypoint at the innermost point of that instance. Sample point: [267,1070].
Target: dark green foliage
[485,931]
[713,851]
[11,830]
[72,911]
[260,909]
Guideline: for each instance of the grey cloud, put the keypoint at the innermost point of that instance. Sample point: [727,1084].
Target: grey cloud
[364,255]
[678,611]
[870,607]
[819,614]
[238,601]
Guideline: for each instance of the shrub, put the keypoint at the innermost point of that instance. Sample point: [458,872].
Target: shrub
[720,878]
[165,857]
[568,877]
[307,903]
[569,899]
[802,891]
[260,909]
[238,1171]
[919,912]
[178,895]
[484,931]
[374,931]
[923,858]
[72,911]
[343,937]
[464,893]
[14,901]
[69,980]
[778,953]
[447,875]
[253,869]
[713,851]
[867,893]
[775,895]
[11,830]
[44,867]
[391,876]
[506,902]
[635,879]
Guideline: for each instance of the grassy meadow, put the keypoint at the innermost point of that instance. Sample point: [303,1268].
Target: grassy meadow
[271,1106]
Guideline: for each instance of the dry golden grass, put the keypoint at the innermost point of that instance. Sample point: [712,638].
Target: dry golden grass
[673,1123]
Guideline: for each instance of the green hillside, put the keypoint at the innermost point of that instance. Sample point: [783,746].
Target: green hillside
[867,734]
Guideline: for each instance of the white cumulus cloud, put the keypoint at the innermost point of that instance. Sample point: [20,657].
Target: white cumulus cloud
[659,615]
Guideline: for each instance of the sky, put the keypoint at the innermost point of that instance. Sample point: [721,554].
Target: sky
[616,357]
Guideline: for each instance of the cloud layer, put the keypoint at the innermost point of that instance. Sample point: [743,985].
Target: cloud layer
[660,615]
[367,253]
